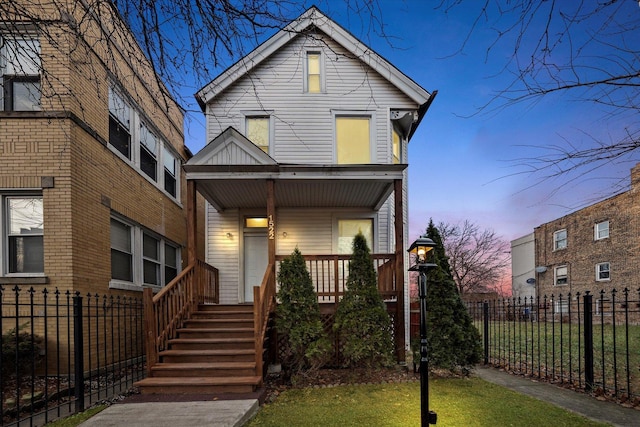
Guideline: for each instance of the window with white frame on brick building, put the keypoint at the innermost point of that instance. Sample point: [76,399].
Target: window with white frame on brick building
[23,253]
[601,230]
[603,271]
[560,239]
[560,276]
[19,73]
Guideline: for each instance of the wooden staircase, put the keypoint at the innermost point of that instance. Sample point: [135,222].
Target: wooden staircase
[213,353]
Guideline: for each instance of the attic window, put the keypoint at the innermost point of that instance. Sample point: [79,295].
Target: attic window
[313,73]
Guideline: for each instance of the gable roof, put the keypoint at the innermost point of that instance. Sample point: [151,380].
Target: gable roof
[313,17]
[231,147]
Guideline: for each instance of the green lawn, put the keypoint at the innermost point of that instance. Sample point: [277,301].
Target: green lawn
[557,350]
[458,402]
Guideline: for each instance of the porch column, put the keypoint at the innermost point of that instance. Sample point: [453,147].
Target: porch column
[192,223]
[271,218]
[400,285]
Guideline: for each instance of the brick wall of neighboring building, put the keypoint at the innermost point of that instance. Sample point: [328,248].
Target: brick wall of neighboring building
[62,152]
[583,251]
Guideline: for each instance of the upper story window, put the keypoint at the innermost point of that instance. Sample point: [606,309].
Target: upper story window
[23,234]
[258,132]
[353,139]
[141,257]
[560,239]
[170,172]
[560,276]
[313,83]
[19,74]
[603,271]
[396,147]
[132,137]
[119,124]
[601,230]
[148,153]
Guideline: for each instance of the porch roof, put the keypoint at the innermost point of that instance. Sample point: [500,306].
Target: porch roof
[296,185]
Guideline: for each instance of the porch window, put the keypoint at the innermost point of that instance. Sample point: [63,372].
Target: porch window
[150,260]
[19,74]
[25,234]
[258,132]
[347,230]
[353,140]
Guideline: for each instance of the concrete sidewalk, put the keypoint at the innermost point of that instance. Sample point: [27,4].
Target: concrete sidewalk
[218,413]
[579,403]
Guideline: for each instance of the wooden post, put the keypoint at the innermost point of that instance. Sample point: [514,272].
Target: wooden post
[192,222]
[399,270]
[272,221]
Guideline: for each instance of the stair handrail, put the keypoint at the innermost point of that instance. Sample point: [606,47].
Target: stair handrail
[166,311]
[264,297]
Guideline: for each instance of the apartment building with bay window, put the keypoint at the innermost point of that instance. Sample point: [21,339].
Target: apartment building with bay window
[593,249]
[91,150]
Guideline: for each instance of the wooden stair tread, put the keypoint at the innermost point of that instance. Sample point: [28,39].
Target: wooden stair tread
[210,340]
[207,365]
[205,352]
[215,330]
[198,381]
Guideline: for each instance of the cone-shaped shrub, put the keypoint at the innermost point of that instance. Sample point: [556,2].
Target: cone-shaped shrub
[298,316]
[454,342]
[362,321]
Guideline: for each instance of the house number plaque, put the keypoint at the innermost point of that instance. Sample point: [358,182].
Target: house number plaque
[272,228]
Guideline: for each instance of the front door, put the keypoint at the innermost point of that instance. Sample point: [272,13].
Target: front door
[256,259]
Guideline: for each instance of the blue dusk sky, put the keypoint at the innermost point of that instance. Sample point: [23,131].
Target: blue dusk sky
[463,163]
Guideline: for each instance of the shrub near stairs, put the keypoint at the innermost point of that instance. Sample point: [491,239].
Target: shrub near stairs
[361,319]
[298,316]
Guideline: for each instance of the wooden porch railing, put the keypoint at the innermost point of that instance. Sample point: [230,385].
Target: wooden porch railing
[264,298]
[165,312]
[329,274]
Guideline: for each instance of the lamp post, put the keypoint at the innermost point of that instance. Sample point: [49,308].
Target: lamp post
[420,248]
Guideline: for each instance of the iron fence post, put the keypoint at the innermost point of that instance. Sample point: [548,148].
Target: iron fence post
[588,341]
[78,345]
[485,317]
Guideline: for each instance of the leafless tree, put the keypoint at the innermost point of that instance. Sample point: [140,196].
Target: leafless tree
[478,257]
[582,51]
[186,43]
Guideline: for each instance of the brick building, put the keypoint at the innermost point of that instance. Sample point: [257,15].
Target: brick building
[592,249]
[91,146]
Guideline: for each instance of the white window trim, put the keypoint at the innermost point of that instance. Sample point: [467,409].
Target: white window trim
[137,232]
[4,246]
[260,114]
[348,215]
[598,278]
[135,123]
[561,306]
[305,66]
[24,35]
[595,230]
[555,239]
[371,115]
[555,275]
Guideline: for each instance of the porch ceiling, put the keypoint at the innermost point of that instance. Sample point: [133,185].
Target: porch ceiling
[302,186]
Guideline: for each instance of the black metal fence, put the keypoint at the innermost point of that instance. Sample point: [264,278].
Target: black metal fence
[63,352]
[586,341]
